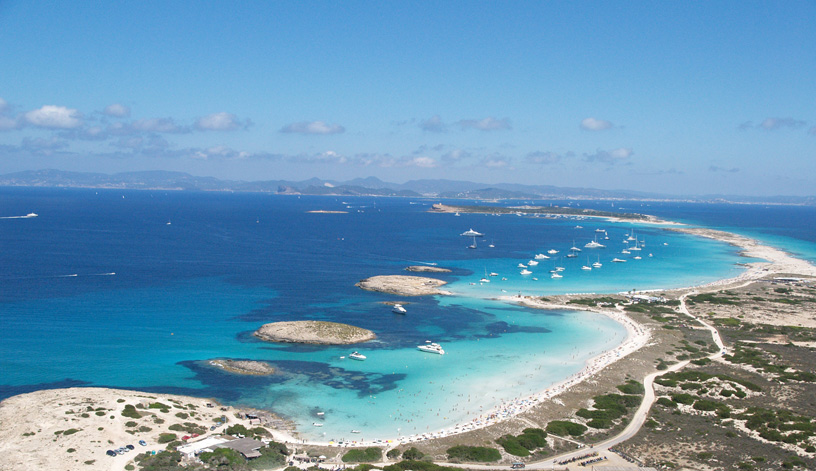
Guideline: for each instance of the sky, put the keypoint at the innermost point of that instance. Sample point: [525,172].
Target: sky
[679,98]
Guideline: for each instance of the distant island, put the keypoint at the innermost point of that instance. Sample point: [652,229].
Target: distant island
[313,332]
[542,210]
[243,367]
[370,186]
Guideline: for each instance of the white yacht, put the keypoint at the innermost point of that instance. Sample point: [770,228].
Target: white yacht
[597,264]
[526,272]
[600,230]
[398,309]
[471,233]
[357,356]
[484,280]
[560,268]
[552,251]
[31,215]
[532,263]
[574,248]
[556,275]
[541,256]
[637,257]
[617,260]
[594,244]
[431,348]
[494,273]
[521,265]
[586,267]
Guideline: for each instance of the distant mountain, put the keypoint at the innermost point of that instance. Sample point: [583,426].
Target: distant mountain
[490,194]
[371,186]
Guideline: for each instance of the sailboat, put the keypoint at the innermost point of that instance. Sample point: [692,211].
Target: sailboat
[586,267]
[473,245]
[597,264]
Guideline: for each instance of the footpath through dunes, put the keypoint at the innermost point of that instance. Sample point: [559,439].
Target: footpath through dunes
[404,285]
[314,332]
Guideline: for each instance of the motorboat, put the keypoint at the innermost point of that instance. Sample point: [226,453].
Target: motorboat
[572,255]
[494,273]
[532,263]
[398,309]
[600,230]
[431,348]
[521,265]
[556,275]
[586,267]
[526,272]
[357,356]
[552,251]
[617,260]
[574,248]
[484,280]
[637,257]
[560,268]
[471,233]
[541,256]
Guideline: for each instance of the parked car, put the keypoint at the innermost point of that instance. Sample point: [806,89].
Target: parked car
[110,453]
[142,442]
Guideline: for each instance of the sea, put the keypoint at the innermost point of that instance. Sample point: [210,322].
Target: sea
[140,289]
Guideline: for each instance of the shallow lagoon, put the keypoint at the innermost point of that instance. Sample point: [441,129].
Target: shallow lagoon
[194,290]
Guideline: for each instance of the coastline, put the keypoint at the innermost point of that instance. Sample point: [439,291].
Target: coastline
[778,262]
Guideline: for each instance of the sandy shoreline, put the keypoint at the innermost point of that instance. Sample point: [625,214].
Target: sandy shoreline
[16,411]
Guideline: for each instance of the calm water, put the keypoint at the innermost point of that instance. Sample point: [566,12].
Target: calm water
[100,290]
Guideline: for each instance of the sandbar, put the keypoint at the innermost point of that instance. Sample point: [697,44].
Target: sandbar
[427,269]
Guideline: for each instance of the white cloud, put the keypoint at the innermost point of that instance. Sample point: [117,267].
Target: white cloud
[455,155]
[117,110]
[771,124]
[164,125]
[218,122]
[592,124]
[486,124]
[495,162]
[610,157]
[314,127]
[54,117]
[423,162]
[433,124]
[3,105]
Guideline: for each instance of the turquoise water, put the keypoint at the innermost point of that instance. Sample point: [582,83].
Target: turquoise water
[195,290]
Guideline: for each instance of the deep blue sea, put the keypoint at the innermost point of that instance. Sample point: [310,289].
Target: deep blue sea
[137,289]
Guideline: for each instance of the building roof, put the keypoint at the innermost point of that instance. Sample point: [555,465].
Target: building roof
[195,447]
[246,446]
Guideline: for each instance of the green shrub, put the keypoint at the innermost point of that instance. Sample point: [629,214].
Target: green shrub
[512,446]
[369,455]
[631,387]
[393,454]
[70,431]
[683,398]
[182,415]
[131,412]
[565,427]
[412,454]
[473,453]
[666,402]
[167,437]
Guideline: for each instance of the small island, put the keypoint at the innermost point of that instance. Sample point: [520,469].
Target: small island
[427,269]
[403,285]
[243,367]
[314,332]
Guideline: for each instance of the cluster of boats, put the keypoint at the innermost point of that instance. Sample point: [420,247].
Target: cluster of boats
[573,252]
[428,347]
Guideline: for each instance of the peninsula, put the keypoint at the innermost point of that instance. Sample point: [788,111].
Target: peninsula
[313,332]
[547,211]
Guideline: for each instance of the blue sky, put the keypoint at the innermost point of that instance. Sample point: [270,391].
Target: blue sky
[674,97]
